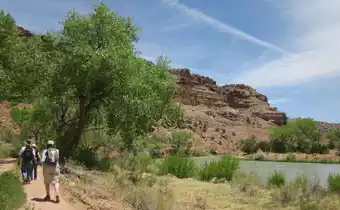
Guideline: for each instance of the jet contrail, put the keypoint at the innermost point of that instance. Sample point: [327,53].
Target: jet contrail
[195,13]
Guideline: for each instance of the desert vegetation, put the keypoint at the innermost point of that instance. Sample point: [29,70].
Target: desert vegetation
[298,136]
[87,87]
[178,183]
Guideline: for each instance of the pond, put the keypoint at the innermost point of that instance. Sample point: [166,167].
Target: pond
[263,169]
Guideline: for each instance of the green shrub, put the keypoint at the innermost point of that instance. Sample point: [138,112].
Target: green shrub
[6,150]
[21,115]
[223,168]
[5,135]
[331,144]
[301,182]
[276,179]
[181,167]
[90,159]
[12,195]
[137,163]
[212,151]
[181,143]
[334,182]
[318,148]
[264,146]
[259,155]
[86,157]
[104,163]
[291,157]
[248,145]
[155,153]
[199,153]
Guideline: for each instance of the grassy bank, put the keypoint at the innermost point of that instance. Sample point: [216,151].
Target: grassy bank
[323,161]
[293,157]
[217,185]
[12,195]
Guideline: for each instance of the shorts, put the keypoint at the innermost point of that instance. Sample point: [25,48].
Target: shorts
[51,174]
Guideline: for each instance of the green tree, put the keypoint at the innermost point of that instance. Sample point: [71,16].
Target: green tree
[149,93]
[35,121]
[248,145]
[334,138]
[300,135]
[23,68]
[89,74]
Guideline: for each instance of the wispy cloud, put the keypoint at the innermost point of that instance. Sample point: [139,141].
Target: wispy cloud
[175,27]
[278,101]
[223,27]
[315,25]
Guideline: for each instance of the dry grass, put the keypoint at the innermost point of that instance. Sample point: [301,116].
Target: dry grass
[105,191]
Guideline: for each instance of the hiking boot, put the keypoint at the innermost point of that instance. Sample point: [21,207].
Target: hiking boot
[47,198]
[57,199]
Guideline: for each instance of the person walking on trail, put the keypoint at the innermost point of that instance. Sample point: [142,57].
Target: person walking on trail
[26,161]
[36,162]
[51,170]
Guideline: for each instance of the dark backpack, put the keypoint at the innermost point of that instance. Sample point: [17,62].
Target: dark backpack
[27,155]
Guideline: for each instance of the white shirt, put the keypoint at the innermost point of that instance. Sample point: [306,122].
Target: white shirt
[43,155]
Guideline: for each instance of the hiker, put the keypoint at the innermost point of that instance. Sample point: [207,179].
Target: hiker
[26,161]
[36,162]
[51,170]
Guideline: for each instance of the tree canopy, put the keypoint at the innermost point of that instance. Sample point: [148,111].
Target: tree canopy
[299,135]
[88,75]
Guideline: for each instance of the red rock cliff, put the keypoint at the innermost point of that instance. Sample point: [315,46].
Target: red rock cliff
[221,115]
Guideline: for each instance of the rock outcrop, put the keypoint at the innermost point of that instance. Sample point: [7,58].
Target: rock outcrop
[221,115]
[325,126]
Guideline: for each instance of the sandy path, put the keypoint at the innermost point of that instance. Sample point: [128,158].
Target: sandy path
[36,192]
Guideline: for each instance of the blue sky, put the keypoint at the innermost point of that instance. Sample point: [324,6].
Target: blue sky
[287,49]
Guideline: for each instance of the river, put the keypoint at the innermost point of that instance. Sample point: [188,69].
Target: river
[263,169]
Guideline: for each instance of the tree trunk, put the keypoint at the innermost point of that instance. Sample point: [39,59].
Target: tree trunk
[69,141]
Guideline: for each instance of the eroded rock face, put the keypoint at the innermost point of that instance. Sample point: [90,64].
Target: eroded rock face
[276,117]
[222,115]
[199,90]
[186,78]
[25,32]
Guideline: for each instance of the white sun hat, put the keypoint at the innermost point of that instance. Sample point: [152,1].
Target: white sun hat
[50,142]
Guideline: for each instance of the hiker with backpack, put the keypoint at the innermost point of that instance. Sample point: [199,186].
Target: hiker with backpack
[26,161]
[36,162]
[51,170]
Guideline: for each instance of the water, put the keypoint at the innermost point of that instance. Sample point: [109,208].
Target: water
[263,169]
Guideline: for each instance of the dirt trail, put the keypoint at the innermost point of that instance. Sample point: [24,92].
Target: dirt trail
[36,192]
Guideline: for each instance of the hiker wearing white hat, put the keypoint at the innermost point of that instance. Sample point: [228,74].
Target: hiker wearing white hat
[51,170]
